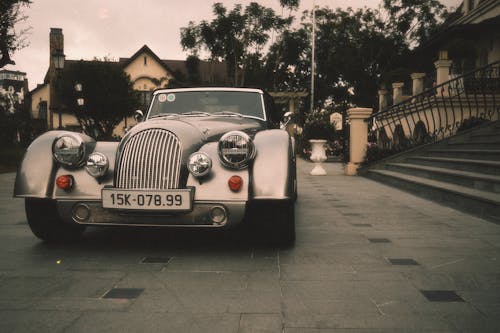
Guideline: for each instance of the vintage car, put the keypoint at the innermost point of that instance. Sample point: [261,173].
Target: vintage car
[201,157]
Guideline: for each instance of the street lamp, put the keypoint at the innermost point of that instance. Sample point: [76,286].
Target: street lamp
[58,60]
[313,56]
[88,125]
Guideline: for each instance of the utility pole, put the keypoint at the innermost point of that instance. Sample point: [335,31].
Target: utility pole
[313,46]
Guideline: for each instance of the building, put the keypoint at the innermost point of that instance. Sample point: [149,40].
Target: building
[471,36]
[13,107]
[13,88]
[147,72]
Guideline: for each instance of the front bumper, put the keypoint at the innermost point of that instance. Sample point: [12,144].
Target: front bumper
[89,212]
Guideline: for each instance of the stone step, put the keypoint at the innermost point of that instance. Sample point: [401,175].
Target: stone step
[473,201]
[485,135]
[468,179]
[473,165]
[482,154]
[479,144]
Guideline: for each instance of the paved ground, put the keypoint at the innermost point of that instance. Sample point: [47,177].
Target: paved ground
[338,277]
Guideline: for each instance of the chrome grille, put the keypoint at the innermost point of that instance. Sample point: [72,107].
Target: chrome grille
[150,159]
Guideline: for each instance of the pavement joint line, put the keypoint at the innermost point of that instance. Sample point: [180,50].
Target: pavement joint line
[447,263]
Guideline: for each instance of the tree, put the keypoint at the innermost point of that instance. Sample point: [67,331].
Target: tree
[107,92]
[10,40]
[413,21]
[236,36]
[354,49]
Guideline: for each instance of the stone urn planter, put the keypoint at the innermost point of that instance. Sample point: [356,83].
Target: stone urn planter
[318,156]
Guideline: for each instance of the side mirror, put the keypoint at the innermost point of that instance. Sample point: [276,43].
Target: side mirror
[138,116]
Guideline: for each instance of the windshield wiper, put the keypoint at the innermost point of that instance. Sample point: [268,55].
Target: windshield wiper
[195,113]
[160,115]
[228,113]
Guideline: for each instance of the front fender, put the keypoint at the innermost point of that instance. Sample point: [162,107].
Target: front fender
[85,186]
[35,176]
[273,170]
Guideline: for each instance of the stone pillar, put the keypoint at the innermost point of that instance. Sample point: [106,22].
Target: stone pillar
[418,83]
[442,71]
[382,99]
[397,92]
[358,138]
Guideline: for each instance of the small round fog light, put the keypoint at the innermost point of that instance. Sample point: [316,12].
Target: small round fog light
[97,165]
[199,164]
[217,215]
[81,212]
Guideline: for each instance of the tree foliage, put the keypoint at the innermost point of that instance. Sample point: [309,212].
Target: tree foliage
[413,21]
[10,39]
[107,92]
[354,48]
[237,36]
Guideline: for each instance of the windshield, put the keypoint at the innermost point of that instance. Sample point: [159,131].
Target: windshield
[206,103]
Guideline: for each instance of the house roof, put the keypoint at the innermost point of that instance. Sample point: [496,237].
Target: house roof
[214,72]
[208,72]
[477,20]
[124,62]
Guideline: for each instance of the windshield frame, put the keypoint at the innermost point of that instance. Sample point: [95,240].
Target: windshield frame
[211,89]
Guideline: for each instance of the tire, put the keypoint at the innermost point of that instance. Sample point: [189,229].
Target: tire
[46,224]
[275,222]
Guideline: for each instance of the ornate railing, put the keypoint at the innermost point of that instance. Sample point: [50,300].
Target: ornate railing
[458,104]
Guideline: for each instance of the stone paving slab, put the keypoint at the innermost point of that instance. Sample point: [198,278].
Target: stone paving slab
[363,256]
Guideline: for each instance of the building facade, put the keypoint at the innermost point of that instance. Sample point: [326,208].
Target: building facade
[13,88]
[146,70]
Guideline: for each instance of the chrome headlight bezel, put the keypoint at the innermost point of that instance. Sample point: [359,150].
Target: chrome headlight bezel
[199,164]
[97,164]
[69,150]
[236,149]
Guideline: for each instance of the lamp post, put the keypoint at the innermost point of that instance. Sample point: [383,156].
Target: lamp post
[313,51]
[87,123]
[58,60]
[80,102]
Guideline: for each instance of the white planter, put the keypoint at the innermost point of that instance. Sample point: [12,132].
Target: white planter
[318,156]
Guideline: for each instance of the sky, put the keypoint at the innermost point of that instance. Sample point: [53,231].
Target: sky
[118,28]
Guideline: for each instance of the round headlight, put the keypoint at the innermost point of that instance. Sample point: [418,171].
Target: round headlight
[236,150]
[199,164]
[97,164]
[69,150]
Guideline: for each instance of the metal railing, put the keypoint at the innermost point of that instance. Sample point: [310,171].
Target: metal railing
[437,113]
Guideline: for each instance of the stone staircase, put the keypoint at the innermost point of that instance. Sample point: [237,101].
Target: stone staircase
[462,171]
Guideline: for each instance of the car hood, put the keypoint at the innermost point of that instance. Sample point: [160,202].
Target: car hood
[201,129]
[193,131]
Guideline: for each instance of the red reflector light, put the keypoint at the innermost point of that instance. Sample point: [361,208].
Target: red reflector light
[235,183]
[64,182]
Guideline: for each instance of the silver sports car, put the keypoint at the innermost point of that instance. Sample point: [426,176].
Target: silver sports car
[201,157]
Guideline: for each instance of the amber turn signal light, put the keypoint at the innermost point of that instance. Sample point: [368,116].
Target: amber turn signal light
[235,183]
[65,182]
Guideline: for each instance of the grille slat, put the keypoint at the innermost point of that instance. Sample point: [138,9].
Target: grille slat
[151,159]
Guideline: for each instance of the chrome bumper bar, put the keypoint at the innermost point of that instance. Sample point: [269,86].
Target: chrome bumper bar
[204,214]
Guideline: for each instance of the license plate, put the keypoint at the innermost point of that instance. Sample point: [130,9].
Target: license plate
[173,200]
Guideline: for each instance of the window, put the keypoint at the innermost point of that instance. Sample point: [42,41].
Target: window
[145,61]
[42,110]
[145,99]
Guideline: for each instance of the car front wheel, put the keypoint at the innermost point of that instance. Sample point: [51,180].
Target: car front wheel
[45,223]
[275,222]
